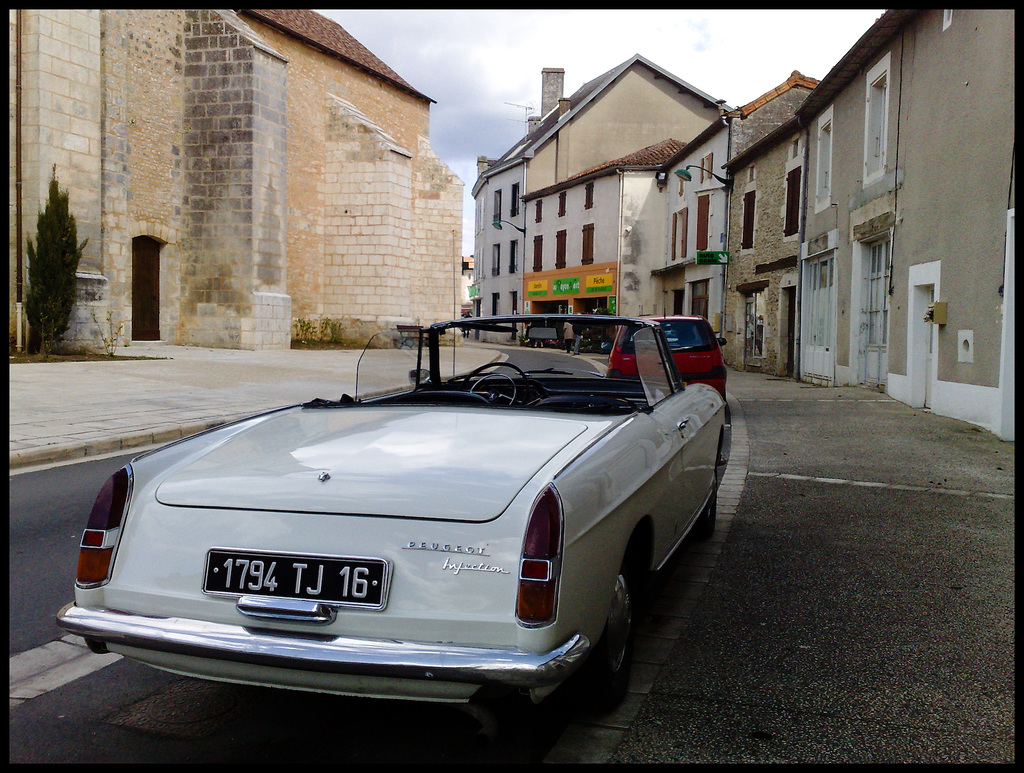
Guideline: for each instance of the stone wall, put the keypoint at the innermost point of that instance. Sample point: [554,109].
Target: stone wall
[234,203]
[60,124]
[371,208]
[770,262]
[208,133]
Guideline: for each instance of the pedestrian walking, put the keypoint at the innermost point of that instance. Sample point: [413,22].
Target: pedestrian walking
[569,335]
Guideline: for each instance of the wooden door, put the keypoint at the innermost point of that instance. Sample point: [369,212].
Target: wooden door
[145,289]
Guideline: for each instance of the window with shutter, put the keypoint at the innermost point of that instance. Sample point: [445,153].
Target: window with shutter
[792,202]
[684,231]
[561,204]
[675,231]
[588,244]
[538,210]
[703,217]
[707,164]
[560,249]
[699,298]
[747,240]
[538,253]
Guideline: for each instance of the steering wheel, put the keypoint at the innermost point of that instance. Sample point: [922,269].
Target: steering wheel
[476,377]
[498,391]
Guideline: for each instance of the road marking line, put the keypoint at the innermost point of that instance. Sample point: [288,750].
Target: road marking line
[874,484]
[45,668]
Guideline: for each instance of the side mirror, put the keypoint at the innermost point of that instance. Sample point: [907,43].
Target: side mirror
[421,376]
[722,341]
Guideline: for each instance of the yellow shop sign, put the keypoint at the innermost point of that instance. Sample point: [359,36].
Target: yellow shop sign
[601,283]
[536,287]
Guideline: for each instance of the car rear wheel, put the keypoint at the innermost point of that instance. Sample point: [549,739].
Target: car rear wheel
[609,665]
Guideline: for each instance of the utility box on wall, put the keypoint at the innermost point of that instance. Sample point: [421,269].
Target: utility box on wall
[936,314]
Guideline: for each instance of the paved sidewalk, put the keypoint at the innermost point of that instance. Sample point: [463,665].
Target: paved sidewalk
[63,411]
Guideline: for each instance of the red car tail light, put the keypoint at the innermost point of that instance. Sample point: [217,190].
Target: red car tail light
[104,529]
[541,561]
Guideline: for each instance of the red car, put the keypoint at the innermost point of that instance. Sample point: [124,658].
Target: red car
[695,348]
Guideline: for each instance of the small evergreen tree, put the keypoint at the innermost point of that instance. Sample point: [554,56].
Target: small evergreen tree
[52,264]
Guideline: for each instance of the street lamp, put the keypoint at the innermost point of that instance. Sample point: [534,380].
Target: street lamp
[497,224]
[687,176]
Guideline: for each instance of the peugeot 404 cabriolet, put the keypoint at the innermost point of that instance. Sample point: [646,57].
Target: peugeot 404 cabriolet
[473,533]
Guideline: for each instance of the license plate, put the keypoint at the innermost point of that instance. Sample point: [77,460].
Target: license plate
[352,582]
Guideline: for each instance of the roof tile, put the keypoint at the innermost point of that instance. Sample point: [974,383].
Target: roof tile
[328,35]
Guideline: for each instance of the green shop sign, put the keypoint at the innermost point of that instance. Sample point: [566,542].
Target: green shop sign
[711,257]
[566,286]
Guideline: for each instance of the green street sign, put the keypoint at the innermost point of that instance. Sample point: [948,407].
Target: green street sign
[711,257]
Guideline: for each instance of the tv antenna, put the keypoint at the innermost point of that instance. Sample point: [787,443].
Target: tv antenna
[528,109]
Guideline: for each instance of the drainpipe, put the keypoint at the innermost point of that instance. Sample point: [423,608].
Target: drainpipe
[618,250]
[18,323]
[727,190]
[805,181]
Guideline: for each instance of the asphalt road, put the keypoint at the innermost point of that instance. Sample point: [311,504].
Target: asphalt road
[862,609]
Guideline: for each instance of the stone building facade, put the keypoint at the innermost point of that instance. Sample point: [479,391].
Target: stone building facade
[232,171]
[764,220]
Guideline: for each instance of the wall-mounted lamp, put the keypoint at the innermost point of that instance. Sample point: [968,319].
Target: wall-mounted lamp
[687,176]
[497,224]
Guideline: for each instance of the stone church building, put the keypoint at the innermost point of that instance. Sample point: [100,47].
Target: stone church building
[233,171]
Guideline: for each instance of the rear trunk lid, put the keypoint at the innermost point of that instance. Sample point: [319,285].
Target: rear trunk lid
[449,464]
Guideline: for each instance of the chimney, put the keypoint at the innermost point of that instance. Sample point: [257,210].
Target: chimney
[563,106]
[552,80]
[532,123]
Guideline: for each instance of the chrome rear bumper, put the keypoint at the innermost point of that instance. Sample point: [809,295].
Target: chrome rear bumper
[327,654]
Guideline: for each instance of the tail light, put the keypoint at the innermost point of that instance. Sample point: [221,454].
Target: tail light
[541,562]
[99,541]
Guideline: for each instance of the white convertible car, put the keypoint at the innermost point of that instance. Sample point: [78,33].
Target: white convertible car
[474,534]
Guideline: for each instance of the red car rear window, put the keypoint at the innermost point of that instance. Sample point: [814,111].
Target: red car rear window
[691,335]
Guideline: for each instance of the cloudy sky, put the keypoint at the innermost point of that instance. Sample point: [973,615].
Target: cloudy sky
[483,67]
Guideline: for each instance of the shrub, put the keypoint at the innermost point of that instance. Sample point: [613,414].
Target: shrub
[52,264]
